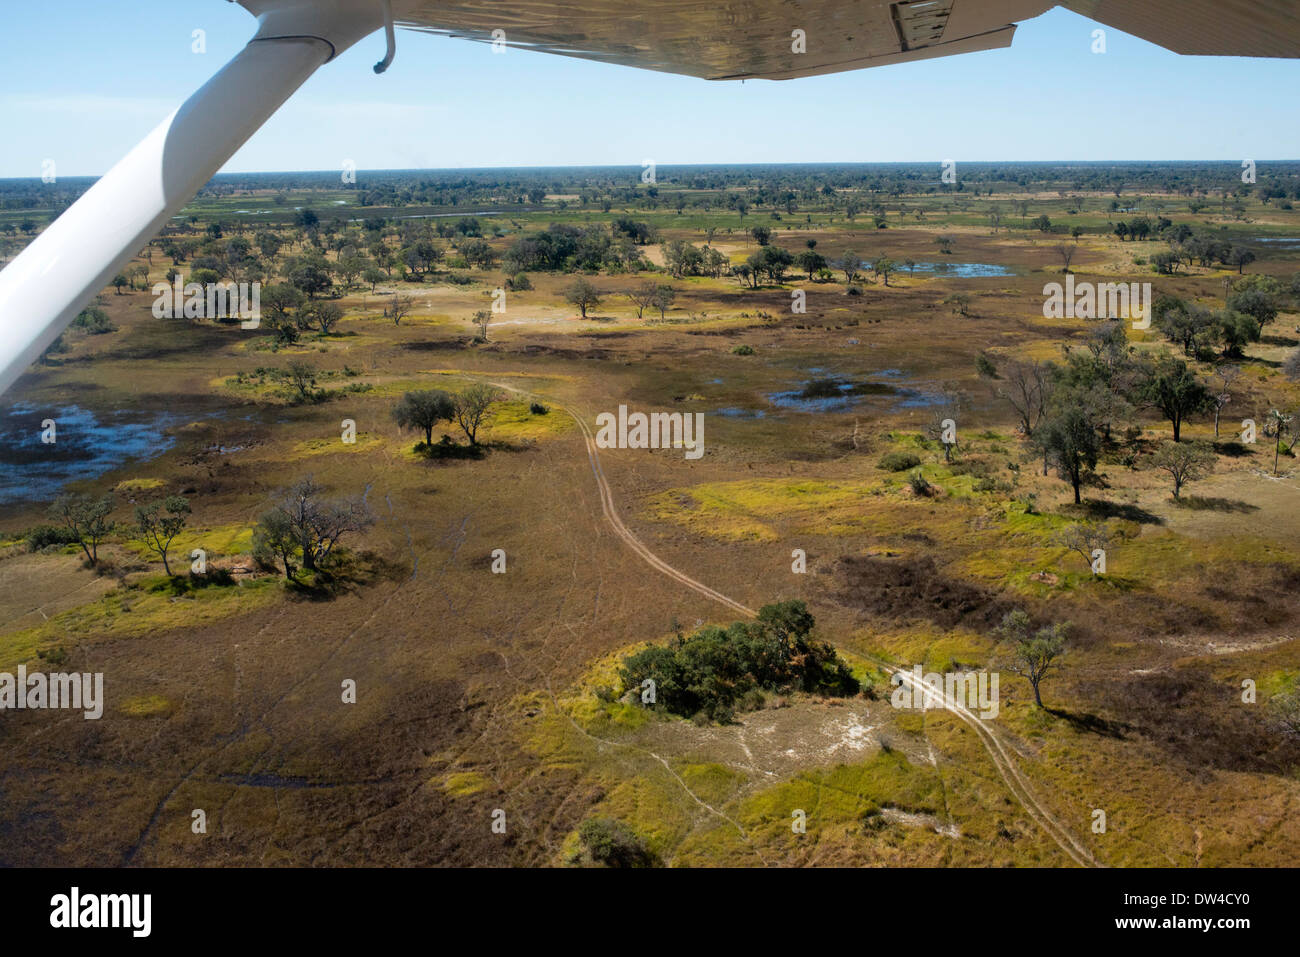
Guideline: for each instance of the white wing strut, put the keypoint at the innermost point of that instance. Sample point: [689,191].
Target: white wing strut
[54,278]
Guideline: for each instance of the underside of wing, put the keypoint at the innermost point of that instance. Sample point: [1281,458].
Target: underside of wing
[1269,28]
[741,39]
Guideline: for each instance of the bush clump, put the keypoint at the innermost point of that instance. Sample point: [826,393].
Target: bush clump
[900,461]
[713,670]
[43,536]
[613,844]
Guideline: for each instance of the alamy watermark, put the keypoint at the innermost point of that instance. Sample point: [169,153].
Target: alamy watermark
[920,691]
[77,691]
[1106,300]
[653,430]
[213,300]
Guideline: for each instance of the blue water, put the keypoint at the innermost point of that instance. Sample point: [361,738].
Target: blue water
[960,270]
[853,394]
[85,447]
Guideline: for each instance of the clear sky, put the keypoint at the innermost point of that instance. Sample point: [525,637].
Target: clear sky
[83,80]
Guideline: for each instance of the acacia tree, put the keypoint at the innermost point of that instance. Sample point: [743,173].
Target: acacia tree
[302,376]
[1069,440]
[160,523]
[1173,388]
[1185,462]
[86,518]
[424,409]
[470,407]
[1034,654]
[324,314]
[582,294]
[273,539]
[850,262]
[663,300]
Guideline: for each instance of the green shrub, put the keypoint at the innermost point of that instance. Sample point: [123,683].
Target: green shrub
[743,350]
[613,844]
[43,536]
[900,461]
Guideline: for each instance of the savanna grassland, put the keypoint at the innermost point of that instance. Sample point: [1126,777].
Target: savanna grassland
[825,321]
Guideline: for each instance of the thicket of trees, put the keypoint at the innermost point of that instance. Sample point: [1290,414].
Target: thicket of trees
[714,671]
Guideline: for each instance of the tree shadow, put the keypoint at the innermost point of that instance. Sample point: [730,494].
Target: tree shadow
[1197,503]
[449,451]
[1233,449]
[347,571]
[1091,723]
[1102,509]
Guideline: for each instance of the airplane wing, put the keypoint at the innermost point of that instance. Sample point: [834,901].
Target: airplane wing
[1268,28]
[51,280]
[737,40]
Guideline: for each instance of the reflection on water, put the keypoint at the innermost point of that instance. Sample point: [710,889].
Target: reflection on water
[85,447]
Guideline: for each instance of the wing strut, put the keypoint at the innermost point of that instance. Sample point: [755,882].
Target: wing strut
[60,271]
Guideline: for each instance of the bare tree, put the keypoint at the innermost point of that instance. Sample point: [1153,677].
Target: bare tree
[643,296]
[314,523]
[471,406]
[943,419]
[1027,385]
[1185,462]
[1221,391]
[1066,251]
[398,308]
[1085,538]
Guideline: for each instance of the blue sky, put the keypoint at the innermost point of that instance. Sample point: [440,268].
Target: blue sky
[83,80]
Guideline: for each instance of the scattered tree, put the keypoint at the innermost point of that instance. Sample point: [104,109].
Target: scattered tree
[1185,462]
[582,294]
[160,523]
[424,409]
[470,406]
[86,518]
[1033,655]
